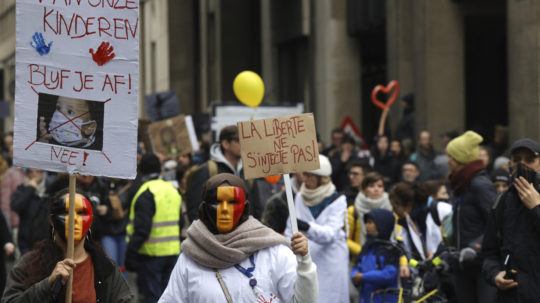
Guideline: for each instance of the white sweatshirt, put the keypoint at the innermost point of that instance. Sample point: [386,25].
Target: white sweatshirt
[280,278]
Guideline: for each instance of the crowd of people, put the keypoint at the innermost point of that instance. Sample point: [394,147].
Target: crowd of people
[369,220]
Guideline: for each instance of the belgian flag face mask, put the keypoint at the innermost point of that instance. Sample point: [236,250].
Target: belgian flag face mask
[83,216]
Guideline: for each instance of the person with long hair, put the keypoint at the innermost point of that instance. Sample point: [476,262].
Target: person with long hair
[42,274]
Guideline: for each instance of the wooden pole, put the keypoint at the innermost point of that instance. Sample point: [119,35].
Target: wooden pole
[70,240]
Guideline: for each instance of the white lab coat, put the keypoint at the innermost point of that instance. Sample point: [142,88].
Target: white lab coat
[433,232]
[328,248]
[275,271]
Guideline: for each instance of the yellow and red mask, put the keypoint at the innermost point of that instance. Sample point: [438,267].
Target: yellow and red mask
[225,206]
[82,220]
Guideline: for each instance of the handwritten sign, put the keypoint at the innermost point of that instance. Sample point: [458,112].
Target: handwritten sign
[77,86]
[173,137]
[279,145]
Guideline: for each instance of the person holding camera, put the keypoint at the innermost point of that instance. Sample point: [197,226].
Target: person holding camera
[511,245]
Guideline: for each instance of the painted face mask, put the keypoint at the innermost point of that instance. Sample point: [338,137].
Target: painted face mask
[228,204]
[68,132]
[83,216]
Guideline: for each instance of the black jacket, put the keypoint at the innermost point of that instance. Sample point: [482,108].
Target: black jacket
[110,285]
[472,207]
[145,209]
[514,230]
[32,211]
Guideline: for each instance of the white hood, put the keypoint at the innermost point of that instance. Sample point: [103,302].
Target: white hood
[217,155]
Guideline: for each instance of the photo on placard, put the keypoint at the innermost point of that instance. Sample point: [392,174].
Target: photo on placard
[70,122]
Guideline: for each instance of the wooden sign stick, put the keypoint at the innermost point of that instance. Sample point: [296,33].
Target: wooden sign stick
[70,236]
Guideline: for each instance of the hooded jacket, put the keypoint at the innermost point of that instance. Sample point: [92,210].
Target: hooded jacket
[378,261]
[199,177]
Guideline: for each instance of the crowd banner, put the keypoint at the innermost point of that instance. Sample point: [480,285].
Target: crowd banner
[173,137]
[279,146]
[76,101]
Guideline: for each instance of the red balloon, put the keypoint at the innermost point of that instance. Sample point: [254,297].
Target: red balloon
[273,179]
[393,87]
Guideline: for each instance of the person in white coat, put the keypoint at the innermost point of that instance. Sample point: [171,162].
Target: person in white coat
[229,256]
[321,213]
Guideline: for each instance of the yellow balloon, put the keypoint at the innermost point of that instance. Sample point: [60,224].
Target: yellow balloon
[249,88]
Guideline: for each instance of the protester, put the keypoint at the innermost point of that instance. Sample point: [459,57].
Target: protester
[406,126]
[384,163]
[409,203]
[153,230]
[224,158]
[378,263]
[9,183]
[276,210]
[473,196]
[356,172]
[511,247]
[321,217]
[370,197]
[399,157]
[441,160]
[336,139]
[501,180]
[40,275]
[439,210]
[229,256]
[484,154]
[425,157]
[114,222]
[410,172]
[344,156]
[29,202]
[8,249]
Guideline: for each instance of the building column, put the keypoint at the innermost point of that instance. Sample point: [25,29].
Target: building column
[439,84]
[336,79]
[400,50]
[523,68]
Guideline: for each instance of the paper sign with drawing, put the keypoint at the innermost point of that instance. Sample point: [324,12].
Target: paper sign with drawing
[278,145]
[173,137]
[76,100]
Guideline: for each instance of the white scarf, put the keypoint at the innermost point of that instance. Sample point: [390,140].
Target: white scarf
[313,197]
[364,204]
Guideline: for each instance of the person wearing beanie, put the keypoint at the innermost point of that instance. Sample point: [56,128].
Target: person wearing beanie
[501,180]
[229,256]
[321,211]
[153,230]
[473,196]
[511,243]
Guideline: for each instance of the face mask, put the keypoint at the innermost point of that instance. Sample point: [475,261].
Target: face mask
[83,216]
[68,132]
[522,170]
[225,207]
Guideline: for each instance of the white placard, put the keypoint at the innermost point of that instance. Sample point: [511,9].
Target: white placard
[77,71]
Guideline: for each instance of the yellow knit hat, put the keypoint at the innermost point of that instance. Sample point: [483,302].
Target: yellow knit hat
[464,148]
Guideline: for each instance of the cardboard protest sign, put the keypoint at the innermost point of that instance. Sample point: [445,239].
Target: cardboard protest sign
[174,136]
[278,145]
[77,74]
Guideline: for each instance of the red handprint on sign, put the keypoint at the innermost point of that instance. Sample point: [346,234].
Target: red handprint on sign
[104,53]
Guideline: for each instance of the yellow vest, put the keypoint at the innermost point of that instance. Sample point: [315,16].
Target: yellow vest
[164,238]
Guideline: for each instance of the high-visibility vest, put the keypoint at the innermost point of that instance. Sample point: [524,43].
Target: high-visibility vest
[164,238]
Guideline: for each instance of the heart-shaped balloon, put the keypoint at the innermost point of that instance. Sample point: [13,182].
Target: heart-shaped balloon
[393,87]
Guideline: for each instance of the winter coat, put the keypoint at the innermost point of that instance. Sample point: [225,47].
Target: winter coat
[280,278]
[340,176]
[514,230]
[110,285]
[198,178]
[472,207]
[276,212]
[378,262]
[32,211]
[328,247]
[427,165]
